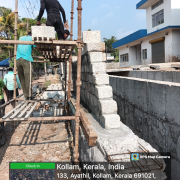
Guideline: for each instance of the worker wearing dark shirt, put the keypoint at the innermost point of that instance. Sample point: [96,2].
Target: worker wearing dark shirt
[53,8]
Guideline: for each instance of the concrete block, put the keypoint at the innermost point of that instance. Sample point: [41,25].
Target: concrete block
[176,76]
[173,102]
[98,67]
[156,93]
[168,76]
[91,36]
[95,57]
[43,31]
[107,106]
[103,92]
[158,76]
[93,47]
[110,121]
[138,74]
[104,57]
[144,75]
[132,74]
[99,79]
[151,75]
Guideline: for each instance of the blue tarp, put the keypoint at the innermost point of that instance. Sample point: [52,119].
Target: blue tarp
[5,63]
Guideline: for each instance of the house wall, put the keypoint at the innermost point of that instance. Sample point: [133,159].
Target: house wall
[124,51]
[175,12]
[167,16]
[135,54]
[176,43]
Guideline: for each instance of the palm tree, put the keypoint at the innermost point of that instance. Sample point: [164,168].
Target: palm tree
[6,21]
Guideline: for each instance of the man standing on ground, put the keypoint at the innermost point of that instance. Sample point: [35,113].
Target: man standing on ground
[23,62]
[9,82]
[2,110]
[53,8]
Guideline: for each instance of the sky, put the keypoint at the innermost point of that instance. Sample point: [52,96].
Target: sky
[117,18]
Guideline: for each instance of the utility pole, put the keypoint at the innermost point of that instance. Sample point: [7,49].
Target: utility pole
[27,26]
[15,48]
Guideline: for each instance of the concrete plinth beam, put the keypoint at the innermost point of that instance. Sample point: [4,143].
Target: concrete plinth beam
[110,121]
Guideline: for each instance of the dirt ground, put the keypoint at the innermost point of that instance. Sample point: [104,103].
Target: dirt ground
[34,142]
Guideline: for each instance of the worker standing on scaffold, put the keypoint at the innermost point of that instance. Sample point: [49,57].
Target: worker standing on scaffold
[53,7]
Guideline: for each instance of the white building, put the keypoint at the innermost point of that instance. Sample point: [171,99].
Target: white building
[160,42]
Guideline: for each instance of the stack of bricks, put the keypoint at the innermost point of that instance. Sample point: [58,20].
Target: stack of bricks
[95,90]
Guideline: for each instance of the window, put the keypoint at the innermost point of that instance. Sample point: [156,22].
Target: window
[158,18]
[144,53]
[124,57]
[157,4]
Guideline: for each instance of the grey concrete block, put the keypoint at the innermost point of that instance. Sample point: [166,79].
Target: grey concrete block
[144,75]
[95,57]
[132,74]
[156,93]
[173,102]
[99,79]
[91,36]
[138,74]
[98,67]
[168,76]
[151,75]
[43,31]
[103,92]
[176,76]
[107,106]
[110,121]
[158,76]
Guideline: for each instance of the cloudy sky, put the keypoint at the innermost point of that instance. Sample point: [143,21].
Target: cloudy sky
[113,17]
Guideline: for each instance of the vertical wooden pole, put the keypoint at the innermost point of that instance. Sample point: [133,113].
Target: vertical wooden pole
[15,48]
[27,26]
[70,59]
[78,84]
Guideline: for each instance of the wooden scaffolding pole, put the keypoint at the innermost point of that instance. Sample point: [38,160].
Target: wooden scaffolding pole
[70,59]
[15,48]
[78,84]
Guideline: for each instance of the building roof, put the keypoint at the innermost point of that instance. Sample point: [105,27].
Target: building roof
[143,4]
[140,3]
[138,35]
[132,37]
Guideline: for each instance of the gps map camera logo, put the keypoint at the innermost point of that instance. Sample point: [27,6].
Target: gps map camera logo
[134,156]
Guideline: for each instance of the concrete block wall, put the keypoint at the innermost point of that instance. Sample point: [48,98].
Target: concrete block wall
[151,109]
[96,92]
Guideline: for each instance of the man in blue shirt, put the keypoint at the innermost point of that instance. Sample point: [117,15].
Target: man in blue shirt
[9,82]
[24,59]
